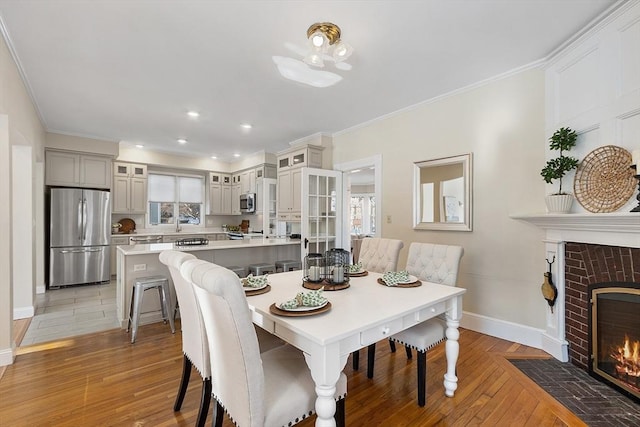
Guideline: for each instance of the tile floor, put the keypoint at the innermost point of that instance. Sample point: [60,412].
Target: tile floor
[71,311]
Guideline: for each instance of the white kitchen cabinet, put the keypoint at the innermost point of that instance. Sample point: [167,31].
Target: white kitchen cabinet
[115,241]
[309,156]
[77,170]
[219,178]
[129,193]
[247,181]
[266,171]
[289,194]
[266,204]
[235,199]
[219,194]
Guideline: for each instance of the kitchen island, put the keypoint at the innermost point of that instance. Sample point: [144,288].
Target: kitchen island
[135,261]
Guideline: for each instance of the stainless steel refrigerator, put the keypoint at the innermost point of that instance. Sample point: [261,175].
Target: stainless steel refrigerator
[79,236]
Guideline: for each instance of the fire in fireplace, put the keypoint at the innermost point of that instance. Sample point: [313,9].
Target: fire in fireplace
[614,334]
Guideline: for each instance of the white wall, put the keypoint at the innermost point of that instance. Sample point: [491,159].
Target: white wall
[20,125]
[22,228]
[502,124]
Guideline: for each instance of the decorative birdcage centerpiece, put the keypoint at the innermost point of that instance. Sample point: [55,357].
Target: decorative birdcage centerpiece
[337,266]
[314,268]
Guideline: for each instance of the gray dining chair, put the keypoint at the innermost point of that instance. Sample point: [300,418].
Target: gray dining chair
[378,255]
[274,388]
[195,348]
[437,264]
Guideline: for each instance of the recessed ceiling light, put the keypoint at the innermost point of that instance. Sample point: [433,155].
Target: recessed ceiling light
[236,155]
[139,146]
[182,141]
[214,157]
[246,126]
[193,114]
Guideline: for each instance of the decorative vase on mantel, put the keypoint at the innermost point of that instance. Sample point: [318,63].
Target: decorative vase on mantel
[559,203]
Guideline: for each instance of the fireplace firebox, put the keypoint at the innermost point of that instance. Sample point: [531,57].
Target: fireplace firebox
[614,335]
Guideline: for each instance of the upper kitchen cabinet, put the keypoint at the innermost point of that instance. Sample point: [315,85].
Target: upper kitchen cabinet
[266,171]
[309,156]
[77,170]
[219,194]
[289,198]
[247,181]
[290,164]
[129,193]
[129,170]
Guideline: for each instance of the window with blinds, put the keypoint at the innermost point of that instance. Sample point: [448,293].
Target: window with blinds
[175,199]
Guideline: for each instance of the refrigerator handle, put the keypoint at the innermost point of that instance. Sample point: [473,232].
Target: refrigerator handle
[84,220]
[80,220]
[79,251]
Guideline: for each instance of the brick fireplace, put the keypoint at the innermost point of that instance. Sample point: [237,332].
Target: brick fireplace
[589,264]
[600,233]
[602,313]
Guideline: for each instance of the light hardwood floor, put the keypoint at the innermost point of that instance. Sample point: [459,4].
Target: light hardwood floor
[102,380]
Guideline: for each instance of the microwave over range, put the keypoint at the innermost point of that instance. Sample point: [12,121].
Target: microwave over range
[248,203]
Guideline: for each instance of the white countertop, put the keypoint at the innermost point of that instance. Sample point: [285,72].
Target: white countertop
[218,244]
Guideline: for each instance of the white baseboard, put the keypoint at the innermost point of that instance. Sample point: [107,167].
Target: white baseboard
[526,335]
[23,312]
[7,356]
[556,348]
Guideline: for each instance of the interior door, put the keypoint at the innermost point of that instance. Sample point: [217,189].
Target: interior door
[321,222]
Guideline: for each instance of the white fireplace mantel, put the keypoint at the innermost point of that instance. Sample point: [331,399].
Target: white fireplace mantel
[611,229]
[614,229]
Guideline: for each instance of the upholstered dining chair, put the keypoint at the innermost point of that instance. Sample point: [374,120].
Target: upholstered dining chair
[378,255]
[274,388]
[437,264]
[195,348]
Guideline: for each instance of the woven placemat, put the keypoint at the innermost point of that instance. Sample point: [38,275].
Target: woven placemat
[402,285]
[249,292]
[604,180]
[325,285]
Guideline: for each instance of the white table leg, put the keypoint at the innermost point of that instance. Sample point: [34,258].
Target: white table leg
[452,349]
[325,367]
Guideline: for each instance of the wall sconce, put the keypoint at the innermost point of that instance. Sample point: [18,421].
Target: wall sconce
[324,39]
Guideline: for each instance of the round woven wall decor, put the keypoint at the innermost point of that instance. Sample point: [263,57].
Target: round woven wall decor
[604,180]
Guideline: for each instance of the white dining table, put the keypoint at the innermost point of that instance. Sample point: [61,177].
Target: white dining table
[361,314]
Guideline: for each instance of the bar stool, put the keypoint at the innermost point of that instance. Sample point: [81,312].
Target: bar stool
[288,265]
[142,284]
[240,271]
[261,268]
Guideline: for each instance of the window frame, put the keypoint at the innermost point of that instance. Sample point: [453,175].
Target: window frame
[176,202]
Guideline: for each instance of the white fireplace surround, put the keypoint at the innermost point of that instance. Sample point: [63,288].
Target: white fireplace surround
[611,229]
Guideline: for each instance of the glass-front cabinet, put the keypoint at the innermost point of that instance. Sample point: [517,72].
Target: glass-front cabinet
[321,210]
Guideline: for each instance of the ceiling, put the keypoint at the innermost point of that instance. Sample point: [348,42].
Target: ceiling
[128,71]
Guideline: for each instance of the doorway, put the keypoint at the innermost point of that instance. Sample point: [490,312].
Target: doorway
[362,192]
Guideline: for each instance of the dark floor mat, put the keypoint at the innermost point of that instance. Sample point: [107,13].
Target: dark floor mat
[595,403]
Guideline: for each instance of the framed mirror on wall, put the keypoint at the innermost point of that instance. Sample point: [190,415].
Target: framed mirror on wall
[442,194]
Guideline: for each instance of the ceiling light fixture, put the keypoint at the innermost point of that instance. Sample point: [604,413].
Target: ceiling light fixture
[193,114]
[139,146]
[182,141]
[214,157]
[324,39]
[236,155]
[246,126]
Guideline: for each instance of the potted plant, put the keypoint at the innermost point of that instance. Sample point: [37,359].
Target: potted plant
[564,139]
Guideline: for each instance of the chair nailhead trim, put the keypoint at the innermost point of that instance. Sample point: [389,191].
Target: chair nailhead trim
[416,348]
